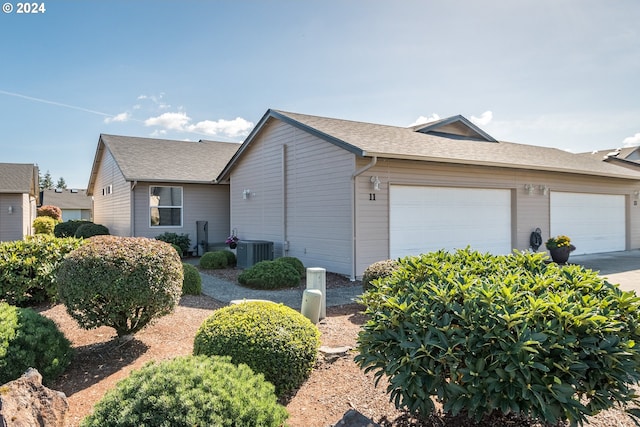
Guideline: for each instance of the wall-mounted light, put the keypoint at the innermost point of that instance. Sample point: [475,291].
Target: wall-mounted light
[544,190]
[246,193]
[529,188]
[636,194]
[376,182]
[10,210]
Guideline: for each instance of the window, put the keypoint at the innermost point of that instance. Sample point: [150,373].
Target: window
[165,206]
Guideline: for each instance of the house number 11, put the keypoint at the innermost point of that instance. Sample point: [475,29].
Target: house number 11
[372,196]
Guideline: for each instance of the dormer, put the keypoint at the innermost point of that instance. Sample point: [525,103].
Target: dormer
[456,127]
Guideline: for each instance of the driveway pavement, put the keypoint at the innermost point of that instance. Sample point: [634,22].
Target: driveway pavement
[622,268]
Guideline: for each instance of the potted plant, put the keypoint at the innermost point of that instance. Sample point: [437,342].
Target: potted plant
[560,248]
[232,241]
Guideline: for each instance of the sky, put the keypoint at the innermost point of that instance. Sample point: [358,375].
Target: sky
[555,73]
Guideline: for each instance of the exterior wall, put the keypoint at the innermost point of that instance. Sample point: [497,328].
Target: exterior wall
[13,226]
[529,211]
[299,197]
[200,203]
[112,210]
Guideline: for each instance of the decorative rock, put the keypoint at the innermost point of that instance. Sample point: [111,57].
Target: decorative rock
[26,402]
[331,354]
[353,418]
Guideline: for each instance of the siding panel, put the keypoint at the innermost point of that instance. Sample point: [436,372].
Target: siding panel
[112,210]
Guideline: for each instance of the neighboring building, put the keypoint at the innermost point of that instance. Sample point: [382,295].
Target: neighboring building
[146,187]
[628,157]
[74,203]
[341,194]
[19,195]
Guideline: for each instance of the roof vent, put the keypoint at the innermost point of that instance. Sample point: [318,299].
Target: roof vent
[58,190]
[74,190]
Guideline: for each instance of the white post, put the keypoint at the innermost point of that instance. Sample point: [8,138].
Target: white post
[317,279]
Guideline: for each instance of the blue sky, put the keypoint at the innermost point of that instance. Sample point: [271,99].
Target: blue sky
[559,73]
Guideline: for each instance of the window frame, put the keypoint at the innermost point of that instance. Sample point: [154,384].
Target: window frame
[180,206]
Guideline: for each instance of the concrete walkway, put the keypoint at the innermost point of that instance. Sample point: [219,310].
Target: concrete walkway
[622,268]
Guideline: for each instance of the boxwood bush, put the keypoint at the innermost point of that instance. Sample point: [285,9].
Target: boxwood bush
[121,282]
[231,258]
[510,334]
[28,268]
[189,391]
[181,240]
[293,262]
[377,270]
[91,229]
[270,275]
[192,282]
[69,228]
[44,225]
[214,260]
[270,338]
[30,340]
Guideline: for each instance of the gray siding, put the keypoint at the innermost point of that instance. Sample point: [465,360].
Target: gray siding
[286,167]
[16,225]
[112,210]
[200,203]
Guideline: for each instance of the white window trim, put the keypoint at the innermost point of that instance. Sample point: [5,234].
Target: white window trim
[162,206]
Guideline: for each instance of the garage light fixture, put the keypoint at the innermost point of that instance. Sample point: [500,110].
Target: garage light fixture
[10,210]
[246,193]
[544,190]
[636,194]
[376,182]
[529,188]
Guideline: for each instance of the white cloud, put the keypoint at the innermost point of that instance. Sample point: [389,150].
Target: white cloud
[122,117]
[484,119]
[173,121]
[179,121]
[632,141]
[422,119]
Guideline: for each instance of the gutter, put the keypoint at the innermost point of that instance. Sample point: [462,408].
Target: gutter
[354,175]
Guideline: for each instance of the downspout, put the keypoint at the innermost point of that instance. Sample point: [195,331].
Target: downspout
[132,217]
[358,172]
[285,242]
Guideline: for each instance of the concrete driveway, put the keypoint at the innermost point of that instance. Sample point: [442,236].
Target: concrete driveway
[622,268]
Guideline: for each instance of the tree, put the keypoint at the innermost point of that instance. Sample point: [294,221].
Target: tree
[46,182]
[61,183]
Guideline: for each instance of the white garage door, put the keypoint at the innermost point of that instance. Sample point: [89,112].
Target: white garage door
[594,222]
[424,219]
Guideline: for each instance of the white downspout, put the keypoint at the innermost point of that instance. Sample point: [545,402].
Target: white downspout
[355,174]
[285,243]
[132,217]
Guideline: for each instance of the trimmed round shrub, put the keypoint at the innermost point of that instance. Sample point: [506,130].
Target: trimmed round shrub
[68,228]
[213,260]
[189,391]
[192,282]
[270,275]
[270,338]
[293,262]
[44,225]
[89,230]
[231,258]
[489,334]
[378,270]
[50,211]
[30,340]
[180,240]
[121,282]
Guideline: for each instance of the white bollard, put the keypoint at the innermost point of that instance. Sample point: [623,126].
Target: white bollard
[317,279]
[311,302]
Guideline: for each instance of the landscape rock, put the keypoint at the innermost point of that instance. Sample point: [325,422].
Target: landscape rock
[331,354]
[353,418]
[25,402]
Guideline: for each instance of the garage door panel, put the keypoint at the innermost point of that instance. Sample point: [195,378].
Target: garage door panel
[594,222]
[424,219]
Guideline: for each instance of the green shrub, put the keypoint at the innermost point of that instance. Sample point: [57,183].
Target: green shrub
[231,258]
[270,275]
[180,240]
[272,339]
[378,270]
[50,211]
[214,260]
[30,340]
[90,229]
[486,334]
[68,228]
[28,268]
[44,225]
[295,263]
[192,282]
[121,282]
[189,391]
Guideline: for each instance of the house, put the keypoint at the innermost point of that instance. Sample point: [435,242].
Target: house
[628,157]
[342,194]
[19,195]
[146,187]
[74,203]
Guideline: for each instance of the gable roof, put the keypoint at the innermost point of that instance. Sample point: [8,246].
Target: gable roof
[435,142]
[19,178]
[163,160]
[66,198]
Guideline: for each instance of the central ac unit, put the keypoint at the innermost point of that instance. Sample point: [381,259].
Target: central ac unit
[251,252]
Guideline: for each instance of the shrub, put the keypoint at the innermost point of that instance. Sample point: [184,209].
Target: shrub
[30,340]
[487,334]
[182,241]
[68,228]
[121,282]
[270,275]
[44,225]
[231,258]
[50,211]
[192,282]
[272,339]
[90,229]
[189,391]
[28,268]
[213,260]
[293,262]
[378,270]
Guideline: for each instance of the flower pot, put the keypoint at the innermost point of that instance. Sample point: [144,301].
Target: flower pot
[560,255]
[233,245]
